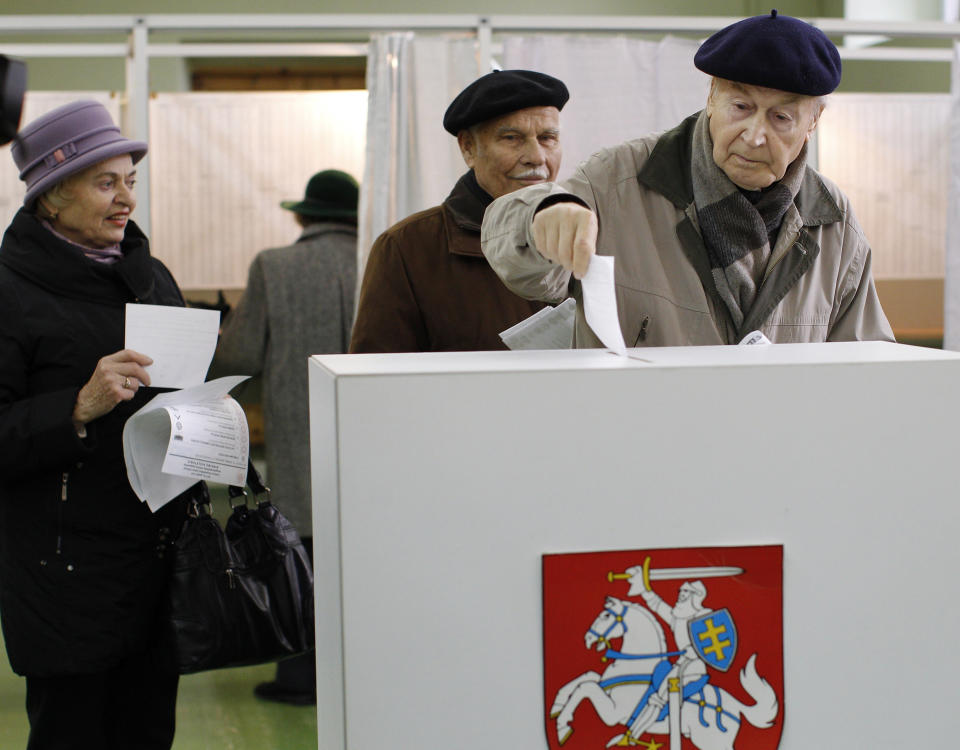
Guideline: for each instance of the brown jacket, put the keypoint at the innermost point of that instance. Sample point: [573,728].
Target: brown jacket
[427,286]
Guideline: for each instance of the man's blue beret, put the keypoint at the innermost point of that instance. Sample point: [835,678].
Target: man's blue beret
[501,92]
[778,52]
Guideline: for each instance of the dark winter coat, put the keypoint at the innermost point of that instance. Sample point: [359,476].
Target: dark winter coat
[81,558]
[427,286]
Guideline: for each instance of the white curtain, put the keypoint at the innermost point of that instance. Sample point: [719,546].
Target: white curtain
[411,161]
[951,286]
[620,88]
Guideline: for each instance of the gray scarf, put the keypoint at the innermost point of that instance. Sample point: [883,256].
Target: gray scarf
[738,231]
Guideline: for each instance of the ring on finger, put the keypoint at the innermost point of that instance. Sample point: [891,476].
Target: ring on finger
[126,383]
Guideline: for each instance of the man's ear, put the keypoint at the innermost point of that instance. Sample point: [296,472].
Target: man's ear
[468,147]
[815,120]
[710,96]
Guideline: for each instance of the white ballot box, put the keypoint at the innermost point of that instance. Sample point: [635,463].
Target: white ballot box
[440,481]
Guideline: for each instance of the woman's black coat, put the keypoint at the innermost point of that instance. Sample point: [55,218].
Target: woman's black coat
[82,567]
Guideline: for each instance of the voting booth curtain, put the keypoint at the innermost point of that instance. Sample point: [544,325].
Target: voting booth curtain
[411,161]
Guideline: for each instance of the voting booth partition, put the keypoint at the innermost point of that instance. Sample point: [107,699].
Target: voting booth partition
[440,482]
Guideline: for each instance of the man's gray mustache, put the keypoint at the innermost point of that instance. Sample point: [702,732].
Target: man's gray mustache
[533,174]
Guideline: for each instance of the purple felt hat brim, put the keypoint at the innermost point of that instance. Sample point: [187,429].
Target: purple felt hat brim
[66,141]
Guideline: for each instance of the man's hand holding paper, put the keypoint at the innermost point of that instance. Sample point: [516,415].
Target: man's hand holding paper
[566,233]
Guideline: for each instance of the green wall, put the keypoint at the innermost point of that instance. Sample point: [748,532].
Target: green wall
[801,8]
[167,74]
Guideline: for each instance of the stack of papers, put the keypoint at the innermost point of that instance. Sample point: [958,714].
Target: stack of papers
[197,432]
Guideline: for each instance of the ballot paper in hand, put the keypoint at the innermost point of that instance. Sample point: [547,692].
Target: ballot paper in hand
[180,437]
[549,328]
[600,303]
[179,340]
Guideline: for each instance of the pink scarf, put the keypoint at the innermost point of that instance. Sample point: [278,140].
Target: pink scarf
[100,254]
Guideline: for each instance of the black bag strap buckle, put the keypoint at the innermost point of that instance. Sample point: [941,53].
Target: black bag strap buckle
[261,492]
[197,509]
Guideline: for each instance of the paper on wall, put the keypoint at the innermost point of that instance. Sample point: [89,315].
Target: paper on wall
[549,328]
[600,303]
[180,340]
[180,437]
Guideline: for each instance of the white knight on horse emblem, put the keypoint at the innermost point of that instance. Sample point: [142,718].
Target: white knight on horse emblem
[650,687]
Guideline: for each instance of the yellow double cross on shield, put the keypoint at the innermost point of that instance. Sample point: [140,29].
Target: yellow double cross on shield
[714,637]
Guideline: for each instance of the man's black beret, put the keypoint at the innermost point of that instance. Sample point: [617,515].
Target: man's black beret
[778,52]
[501,92]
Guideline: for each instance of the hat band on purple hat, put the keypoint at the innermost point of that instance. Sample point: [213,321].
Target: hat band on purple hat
[64,151]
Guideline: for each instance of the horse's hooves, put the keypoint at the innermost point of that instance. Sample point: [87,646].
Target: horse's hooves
[564,735]
[554,714]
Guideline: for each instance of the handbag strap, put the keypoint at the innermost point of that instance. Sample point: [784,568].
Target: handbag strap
[254,482]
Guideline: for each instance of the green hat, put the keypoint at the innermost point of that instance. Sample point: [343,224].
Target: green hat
[330,194]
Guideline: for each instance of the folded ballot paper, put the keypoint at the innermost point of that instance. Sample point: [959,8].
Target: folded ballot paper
[549,328]
[186,435]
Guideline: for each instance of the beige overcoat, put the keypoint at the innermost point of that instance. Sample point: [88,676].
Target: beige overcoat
[817,286]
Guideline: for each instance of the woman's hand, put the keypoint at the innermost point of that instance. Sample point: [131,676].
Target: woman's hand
[116,378]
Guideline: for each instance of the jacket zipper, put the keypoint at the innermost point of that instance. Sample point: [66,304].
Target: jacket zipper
[63,499]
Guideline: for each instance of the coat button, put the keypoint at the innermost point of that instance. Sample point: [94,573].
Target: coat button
[70,568]
[43,562]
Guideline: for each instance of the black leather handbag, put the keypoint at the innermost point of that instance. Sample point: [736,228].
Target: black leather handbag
[238,595]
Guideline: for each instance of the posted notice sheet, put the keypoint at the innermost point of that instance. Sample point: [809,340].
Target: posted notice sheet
[186,435]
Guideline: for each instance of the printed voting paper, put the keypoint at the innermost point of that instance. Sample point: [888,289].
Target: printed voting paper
[549,328]
[180,437]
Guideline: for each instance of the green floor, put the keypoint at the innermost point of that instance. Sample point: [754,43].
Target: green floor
[215,711]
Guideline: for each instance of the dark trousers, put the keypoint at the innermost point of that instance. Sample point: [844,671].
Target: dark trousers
[130,707]
[299,673]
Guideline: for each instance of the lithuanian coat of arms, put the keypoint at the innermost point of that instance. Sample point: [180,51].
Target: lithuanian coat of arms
[664,648]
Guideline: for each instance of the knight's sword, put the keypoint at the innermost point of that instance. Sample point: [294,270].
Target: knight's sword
[672,574]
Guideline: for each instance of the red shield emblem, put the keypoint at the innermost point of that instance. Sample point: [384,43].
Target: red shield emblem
[672,648]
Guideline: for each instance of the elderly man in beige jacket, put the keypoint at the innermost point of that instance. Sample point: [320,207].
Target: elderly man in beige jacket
[718,227]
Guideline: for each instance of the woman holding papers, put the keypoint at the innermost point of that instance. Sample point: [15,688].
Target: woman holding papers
[82,560]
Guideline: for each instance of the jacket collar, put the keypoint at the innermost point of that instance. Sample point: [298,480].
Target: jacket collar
[53,264]
[667,171]
[464,207]
[326,227]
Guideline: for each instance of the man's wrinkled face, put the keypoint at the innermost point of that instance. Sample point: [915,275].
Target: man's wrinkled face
[515,150]
[757,132]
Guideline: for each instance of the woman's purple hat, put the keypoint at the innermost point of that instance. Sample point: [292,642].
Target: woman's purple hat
[65,141]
